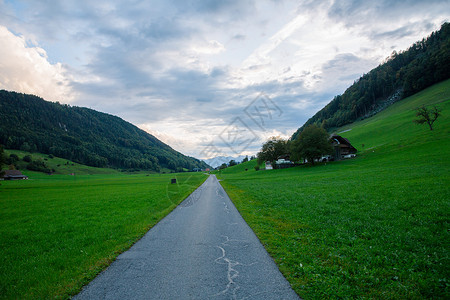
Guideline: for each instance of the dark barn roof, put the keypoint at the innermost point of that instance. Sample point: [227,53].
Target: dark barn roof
[342,147]
[342,142]
[14,174]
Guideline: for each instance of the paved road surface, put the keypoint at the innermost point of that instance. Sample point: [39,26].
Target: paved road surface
[202,250]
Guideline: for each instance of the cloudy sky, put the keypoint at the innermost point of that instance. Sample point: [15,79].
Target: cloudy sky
[207,77]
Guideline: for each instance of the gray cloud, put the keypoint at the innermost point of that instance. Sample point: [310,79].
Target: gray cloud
[352,10]
[368,15]
[340,60]
[239,37]
[404,31]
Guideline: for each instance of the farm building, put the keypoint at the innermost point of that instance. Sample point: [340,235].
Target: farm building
[342,147]
[284,162]
[13,175]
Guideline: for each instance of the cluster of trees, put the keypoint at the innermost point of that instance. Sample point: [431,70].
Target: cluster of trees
[14,162]
[37,165]
[234,163]
[83,135]
[311,144]
[425,63]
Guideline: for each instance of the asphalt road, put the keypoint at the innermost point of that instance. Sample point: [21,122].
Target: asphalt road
[202,250]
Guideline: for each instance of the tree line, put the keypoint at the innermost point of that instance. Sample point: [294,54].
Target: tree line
[405,73]
[83,135]
[312,143]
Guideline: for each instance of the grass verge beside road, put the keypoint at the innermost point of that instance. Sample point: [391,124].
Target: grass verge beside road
[57,232]
[373,227]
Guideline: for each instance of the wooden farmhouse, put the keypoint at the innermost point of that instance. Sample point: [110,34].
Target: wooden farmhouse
[342,147]
[13,175]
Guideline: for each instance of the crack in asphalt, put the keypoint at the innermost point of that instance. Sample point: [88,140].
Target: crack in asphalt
[232,273]
[227,210]
[219,193]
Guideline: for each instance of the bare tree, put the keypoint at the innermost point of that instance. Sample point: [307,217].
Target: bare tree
[427,115]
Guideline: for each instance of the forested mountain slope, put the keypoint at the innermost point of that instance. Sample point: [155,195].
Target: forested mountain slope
[83,135]
[403,74]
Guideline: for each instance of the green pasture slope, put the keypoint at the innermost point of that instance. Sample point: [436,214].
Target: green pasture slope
[374,227]
[57,232]
[60,165]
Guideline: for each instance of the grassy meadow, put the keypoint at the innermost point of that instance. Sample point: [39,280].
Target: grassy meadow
[373,227]
[57,232]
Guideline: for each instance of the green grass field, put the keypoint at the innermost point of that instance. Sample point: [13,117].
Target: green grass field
[57,232]
[374,227]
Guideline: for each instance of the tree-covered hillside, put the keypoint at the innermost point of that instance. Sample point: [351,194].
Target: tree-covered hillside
[403,74]
[83,135]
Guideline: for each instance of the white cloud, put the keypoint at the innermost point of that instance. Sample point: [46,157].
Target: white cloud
[189,137]
[27,69]
[210,47]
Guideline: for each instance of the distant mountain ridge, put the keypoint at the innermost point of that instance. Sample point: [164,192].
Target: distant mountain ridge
[83,135]
[403,74]
[219,160]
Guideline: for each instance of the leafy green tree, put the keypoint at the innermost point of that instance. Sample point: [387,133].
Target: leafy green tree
[427,115]
[272,149]
[13,158]
[223,166]
[312,144]
[245,159]
[232,163]
[25,147]
[39,166]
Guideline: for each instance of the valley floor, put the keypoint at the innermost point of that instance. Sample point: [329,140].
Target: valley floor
[202,250]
